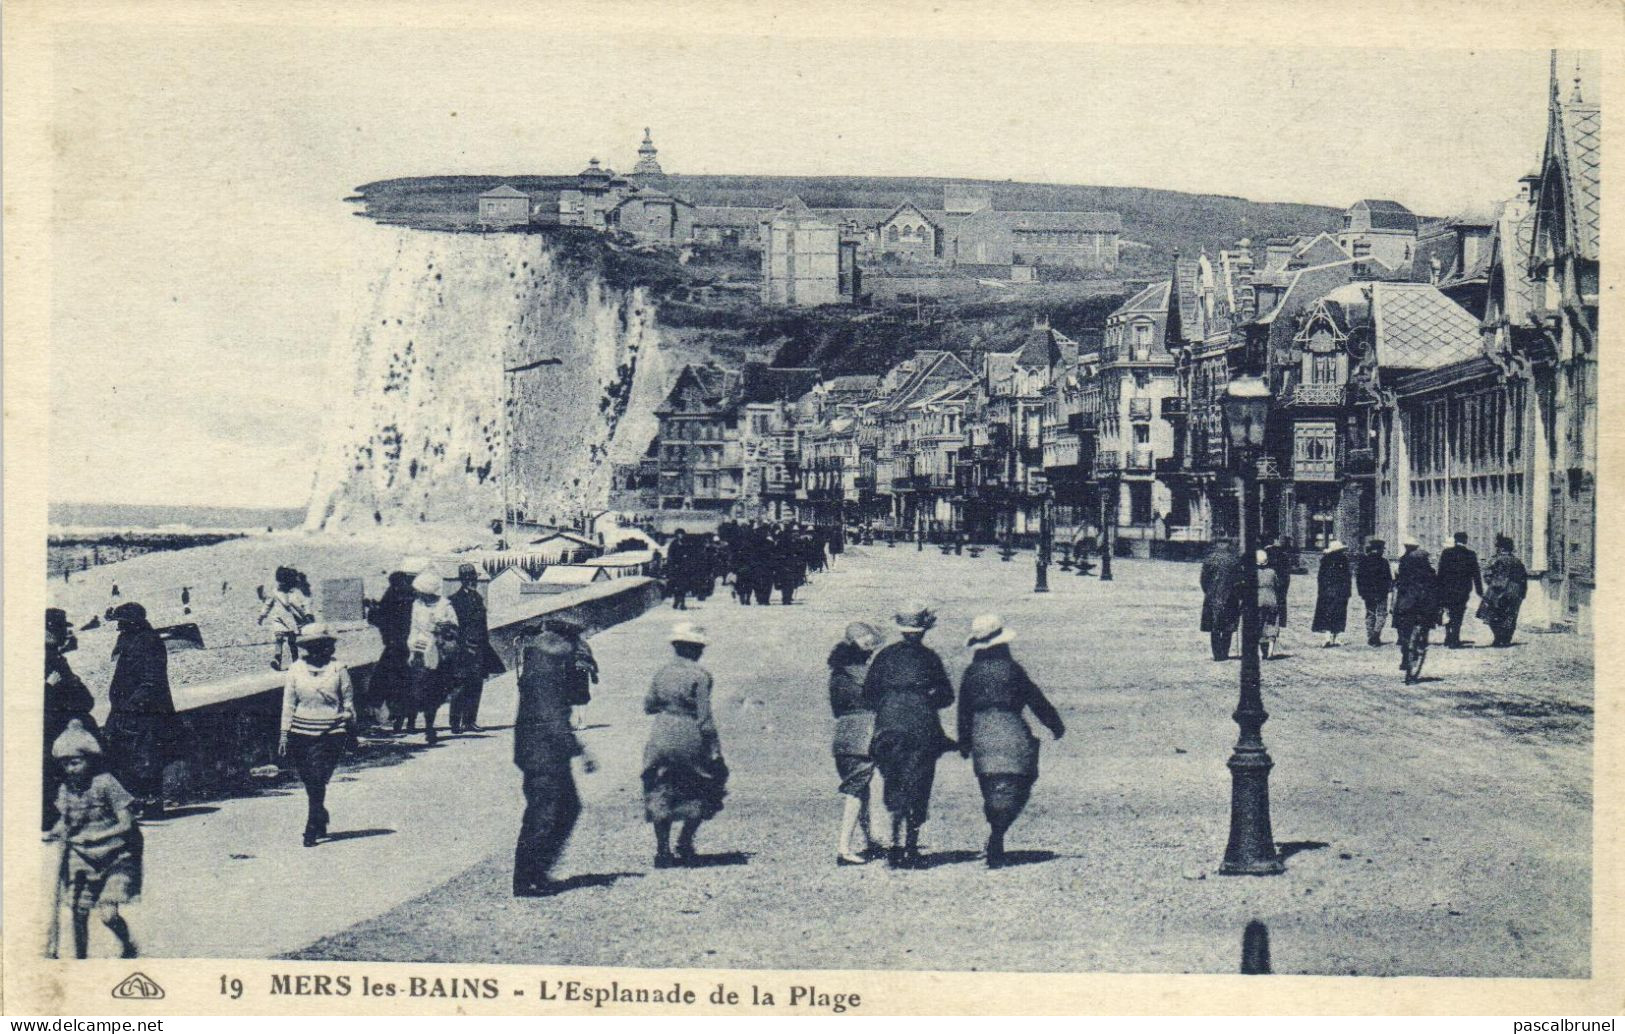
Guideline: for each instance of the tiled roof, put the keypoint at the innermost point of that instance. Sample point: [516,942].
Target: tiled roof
[1387,215]
[1418,328]
[1190,309]
[1509,246]
[1582,147]
[1153,298]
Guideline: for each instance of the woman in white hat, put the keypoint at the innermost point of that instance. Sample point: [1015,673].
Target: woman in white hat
[1333,584]
[684,777]
[854,729]
[318,712]
[905,687]
[993,732]
[1268,601]
[431,637]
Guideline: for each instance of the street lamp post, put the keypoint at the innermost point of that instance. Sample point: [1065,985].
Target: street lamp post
[1046,535]
[1108,518]
[1251,847]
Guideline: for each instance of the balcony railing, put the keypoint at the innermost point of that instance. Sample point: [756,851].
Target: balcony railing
[1175,407]
[1319,395]
[1361,461]
[1142,458]
[1139,409]
[1081,423]
[1109,461]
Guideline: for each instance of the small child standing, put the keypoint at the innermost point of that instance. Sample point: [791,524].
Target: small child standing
[101,842]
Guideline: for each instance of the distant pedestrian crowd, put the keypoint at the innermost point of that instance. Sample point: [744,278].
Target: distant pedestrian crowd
[1415,596]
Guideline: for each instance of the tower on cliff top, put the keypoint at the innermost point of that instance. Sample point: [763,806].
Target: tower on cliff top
[648,164]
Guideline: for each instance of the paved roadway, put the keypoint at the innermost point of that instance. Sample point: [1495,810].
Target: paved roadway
[1439,829]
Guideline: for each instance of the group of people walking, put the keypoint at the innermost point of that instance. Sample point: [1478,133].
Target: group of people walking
[1417,597]
[437,649]
[757,559]
[886,702]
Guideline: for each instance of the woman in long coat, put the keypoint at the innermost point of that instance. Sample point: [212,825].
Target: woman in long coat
[543,746]
[992,732]
[1268,602]
[1221,578]
[391,681]
[1506,581]
[684,777]
[142,729]
[1332,593]
[906,686]
[854,731]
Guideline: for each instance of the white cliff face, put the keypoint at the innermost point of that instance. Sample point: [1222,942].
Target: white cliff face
[416,428]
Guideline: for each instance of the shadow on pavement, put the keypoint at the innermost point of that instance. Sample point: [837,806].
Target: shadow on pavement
[180,813]
[585,880]
[357,834]
[1287,848]
[1014,858]
[931,861]
[706,861]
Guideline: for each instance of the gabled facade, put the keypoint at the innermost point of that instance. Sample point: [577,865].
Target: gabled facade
[1564,266]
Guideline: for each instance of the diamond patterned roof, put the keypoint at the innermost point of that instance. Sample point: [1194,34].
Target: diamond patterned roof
[1582,143]
[1418,328]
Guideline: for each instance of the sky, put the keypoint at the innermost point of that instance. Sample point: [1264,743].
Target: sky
[205,266]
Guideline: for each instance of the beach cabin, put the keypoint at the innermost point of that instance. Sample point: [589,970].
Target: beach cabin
[561,547]
[627,564]
[505,589]
[563,578]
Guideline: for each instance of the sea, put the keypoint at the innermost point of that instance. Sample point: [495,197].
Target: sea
[85,535]
[76,517]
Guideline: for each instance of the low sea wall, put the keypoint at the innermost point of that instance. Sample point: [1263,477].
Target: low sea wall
[231,725]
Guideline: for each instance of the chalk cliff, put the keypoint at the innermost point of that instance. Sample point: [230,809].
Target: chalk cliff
[416,428]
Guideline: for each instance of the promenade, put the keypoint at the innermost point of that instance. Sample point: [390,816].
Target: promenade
[1442,828]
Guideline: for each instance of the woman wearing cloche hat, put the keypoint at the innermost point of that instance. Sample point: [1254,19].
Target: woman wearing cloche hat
[992,732]
[684,777]
[431,638]
[854,730]
[1333,583]
[906,686]
[318,714]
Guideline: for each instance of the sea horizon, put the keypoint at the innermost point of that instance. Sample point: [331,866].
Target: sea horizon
[139,516]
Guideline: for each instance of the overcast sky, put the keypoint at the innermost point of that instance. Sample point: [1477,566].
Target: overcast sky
[204,261]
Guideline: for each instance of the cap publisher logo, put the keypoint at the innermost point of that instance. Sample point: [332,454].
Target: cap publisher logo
[138,985]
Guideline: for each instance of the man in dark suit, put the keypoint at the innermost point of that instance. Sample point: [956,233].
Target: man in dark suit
[543,746]
[474,659]
[1459,578]
[1222,576]
[1416,604]
[1374,580]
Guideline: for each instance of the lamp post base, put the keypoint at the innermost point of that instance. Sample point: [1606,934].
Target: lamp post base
[1251,850]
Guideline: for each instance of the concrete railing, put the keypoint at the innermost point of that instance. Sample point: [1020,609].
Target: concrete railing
[231,725]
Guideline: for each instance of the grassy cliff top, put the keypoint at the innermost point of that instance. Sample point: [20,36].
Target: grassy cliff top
[1163,220]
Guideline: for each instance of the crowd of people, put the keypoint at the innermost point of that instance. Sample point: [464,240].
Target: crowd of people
[886,699]
[1411,592]
[886,702]
[755,558]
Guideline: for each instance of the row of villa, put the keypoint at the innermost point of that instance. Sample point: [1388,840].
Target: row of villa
[1426,378]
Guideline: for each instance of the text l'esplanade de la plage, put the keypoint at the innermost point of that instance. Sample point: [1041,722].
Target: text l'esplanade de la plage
[597,994]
